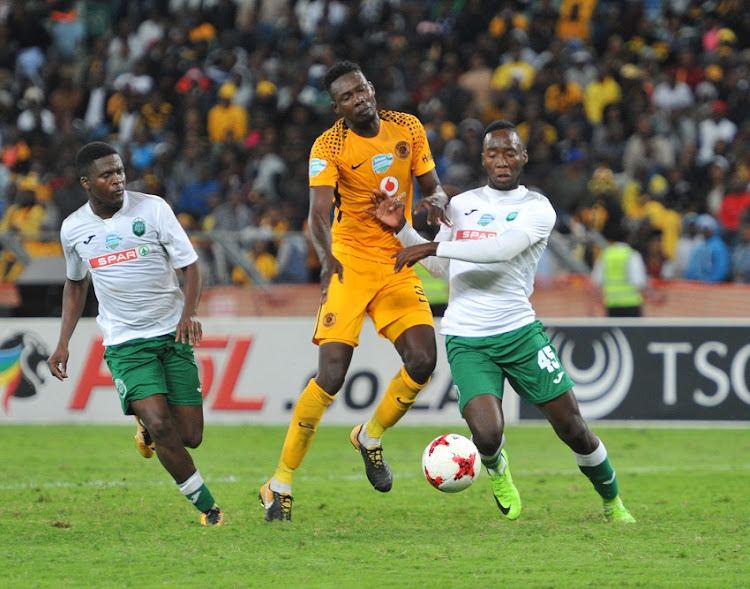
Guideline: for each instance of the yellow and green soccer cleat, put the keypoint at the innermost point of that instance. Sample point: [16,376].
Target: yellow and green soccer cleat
[376,468]
[618,513]
[212,517]
[143,440]
[278,506]
[506,495]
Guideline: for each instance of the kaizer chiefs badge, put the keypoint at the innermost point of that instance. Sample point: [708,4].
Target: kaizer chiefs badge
[329,320]
[402,150]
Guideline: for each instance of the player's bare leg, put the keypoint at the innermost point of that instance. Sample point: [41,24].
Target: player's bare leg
[157,416]
[589,451]
[484,416]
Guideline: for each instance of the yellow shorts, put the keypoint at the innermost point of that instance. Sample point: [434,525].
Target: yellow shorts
[394,302]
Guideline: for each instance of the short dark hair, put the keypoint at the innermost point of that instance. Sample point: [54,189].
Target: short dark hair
[337,70]
[498,126]
[91,152]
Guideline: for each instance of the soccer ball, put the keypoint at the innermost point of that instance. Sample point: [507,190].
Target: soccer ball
[451,463]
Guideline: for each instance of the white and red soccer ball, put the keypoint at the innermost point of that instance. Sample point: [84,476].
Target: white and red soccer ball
[451,463]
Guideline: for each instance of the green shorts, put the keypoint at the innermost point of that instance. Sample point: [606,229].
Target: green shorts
[152,366]
[480,365]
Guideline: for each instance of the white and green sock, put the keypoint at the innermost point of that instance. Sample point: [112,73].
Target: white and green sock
[196,491]
[496,463]
[599,471]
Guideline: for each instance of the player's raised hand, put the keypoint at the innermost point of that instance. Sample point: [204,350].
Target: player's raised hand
[435,205]
[388,210]
[328,268]
[189,331]
[58,363]
[412,254]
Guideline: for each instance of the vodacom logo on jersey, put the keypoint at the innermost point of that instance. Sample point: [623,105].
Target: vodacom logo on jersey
[120,257]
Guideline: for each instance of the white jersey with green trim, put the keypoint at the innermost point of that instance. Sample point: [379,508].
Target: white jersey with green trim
[132,259]
[493,249]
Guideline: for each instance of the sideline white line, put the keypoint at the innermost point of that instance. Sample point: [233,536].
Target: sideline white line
[407,476]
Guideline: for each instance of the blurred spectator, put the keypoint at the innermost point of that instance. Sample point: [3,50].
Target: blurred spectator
[514,73]
[67,30]
[195,196]
[734,206]
[561,95]
[292,254]
[741,253]
[717,184]
[567,187]
[477,80]
[647,149]
[35,118]
[710,260]
[227,122]
[25,218]
[716,128]
[600,93]
[671,94]
[689,239]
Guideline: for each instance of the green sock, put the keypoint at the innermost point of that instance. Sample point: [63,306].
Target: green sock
[495,464]
[196,491]
[597,468]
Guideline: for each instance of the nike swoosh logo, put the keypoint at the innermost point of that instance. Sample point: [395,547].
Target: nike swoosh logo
[471,211]
[306,425]
[558,378]
[610,481]
[357,166]
[505,510]
[88,239]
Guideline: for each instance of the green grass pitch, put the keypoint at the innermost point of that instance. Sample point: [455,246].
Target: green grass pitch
[81,508]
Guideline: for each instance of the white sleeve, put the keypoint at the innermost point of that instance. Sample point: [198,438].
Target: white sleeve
[485,251]
[174,239]
[408,236]
[75,267]
[534,225]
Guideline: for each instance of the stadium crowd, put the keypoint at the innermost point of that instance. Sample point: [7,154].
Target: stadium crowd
[634,111]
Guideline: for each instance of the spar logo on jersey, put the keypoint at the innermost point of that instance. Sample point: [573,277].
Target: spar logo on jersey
[120,257]
[486,219]
[381,162]
[113,240]
[474,234]
[601,365]
[317,165]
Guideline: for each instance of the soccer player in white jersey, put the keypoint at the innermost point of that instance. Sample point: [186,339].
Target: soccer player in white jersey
[491,253]
[130,244]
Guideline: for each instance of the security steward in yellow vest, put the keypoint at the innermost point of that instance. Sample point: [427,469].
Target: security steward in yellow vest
[621,274]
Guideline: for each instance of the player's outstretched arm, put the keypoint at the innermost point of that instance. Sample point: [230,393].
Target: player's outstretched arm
[319,221]
[74,300]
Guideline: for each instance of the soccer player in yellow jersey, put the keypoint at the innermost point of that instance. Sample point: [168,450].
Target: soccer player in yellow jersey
[365,151]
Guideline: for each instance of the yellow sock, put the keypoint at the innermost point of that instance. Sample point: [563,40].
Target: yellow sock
[307,413]
[398,398]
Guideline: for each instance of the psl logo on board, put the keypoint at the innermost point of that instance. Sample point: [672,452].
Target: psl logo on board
[23,358]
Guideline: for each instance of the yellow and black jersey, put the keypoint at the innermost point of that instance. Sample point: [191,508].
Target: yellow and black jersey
[355,165]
